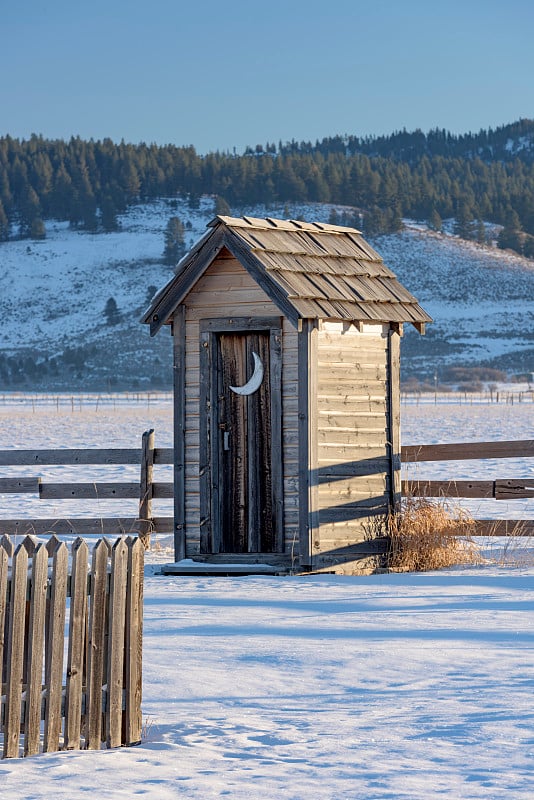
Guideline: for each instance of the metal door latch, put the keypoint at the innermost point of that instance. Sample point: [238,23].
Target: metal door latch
[226,440]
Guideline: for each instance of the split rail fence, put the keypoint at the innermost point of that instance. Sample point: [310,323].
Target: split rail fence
[146,490]
[93,696]
[499,489]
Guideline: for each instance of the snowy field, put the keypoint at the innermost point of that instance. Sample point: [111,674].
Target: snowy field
[381,687]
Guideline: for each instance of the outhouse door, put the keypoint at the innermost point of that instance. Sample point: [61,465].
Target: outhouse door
[242,439]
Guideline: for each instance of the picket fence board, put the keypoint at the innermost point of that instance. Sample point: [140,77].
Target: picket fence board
[116,619]
[75,657]
[15,652]
[36,637]
[55,642]
[134,642]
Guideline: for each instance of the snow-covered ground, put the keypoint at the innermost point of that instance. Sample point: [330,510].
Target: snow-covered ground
[397,686]
[381,687]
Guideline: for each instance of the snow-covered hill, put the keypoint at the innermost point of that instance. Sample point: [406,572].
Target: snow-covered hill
[55,335]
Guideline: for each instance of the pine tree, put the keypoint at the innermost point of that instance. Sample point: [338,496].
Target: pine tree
[29,210]
[510,239]
[111,312]
[375,222]
[37,230]
[435,222]
[464,224]
[221,207]
[480,232]
[174,241]
[4,224]
[150,293]
[108,214]
[333,217]
[528,247]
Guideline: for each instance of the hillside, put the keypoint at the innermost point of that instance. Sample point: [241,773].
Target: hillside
[55,334]
[381,180]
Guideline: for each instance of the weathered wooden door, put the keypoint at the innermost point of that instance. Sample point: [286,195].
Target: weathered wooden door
[244,451]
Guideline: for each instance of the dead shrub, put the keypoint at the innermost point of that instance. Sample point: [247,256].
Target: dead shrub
[428,535]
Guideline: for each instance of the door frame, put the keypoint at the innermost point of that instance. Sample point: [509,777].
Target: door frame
[210,500]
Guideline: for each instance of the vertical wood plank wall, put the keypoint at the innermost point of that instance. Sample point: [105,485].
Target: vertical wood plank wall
[227,290]
[352,438]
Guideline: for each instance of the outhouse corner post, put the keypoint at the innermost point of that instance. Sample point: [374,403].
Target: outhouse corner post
[394,437]
[179,350]
[308,449]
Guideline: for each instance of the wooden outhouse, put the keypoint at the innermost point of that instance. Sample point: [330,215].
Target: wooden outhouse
[286,363]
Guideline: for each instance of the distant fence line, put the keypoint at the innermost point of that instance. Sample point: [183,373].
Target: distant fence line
[93,671]
[95,400]
[81,401]
[502,397]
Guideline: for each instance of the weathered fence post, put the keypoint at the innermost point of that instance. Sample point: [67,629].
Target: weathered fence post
[15,652]
[36,631]
[56,636]
[4,556]
[146,487]
[75,658]
[115,665]
[133,644]
[95,646]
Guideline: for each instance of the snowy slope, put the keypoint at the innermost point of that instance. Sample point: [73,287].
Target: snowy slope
[481,300]
[53,294]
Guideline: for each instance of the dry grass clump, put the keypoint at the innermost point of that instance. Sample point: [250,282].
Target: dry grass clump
[428,535]
[515,549]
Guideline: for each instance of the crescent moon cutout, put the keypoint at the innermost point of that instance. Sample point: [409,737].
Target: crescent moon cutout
[254,383]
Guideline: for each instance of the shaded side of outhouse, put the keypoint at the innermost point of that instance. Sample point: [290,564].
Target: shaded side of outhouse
[287,394]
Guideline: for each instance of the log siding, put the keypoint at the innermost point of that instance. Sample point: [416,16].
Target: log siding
[353,424]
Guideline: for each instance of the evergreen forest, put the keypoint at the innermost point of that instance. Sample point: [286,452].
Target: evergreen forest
[471,178]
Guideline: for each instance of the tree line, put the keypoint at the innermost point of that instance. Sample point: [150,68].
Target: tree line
[475,178]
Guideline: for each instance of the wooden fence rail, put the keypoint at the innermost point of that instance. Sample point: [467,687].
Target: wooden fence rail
[498,489]
[92,696]
[145,490]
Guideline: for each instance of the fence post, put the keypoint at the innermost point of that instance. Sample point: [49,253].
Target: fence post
[56,636]
[4,555]
[77,630]
[95,646]
[15,652]
[133,642]
[146,487]
[116,622]
[36,631]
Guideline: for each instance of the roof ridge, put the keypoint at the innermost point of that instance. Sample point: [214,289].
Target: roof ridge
[273,223]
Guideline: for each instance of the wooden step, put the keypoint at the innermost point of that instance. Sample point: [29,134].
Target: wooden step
[226,569]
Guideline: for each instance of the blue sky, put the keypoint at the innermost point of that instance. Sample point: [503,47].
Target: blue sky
[220,75]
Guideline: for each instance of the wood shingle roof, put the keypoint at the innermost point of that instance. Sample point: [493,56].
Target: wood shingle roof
[309,269]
